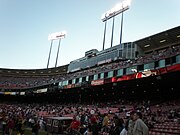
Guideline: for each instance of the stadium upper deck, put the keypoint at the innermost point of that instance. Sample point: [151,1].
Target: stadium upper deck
[130,50]
[160,40]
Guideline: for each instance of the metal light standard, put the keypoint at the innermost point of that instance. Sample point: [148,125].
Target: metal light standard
[57,52]
[112,35]
[60,36]
[49,53]
[124,6]
[119,8]
[120,41]
[104,34]
[55,36]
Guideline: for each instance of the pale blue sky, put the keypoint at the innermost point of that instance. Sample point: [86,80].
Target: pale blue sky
[25,25]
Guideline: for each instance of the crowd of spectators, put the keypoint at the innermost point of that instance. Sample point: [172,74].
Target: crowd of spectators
[99,118]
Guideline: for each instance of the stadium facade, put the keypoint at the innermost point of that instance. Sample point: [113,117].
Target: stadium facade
[149,63]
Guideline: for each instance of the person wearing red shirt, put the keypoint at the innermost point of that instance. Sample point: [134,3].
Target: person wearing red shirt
[75,124]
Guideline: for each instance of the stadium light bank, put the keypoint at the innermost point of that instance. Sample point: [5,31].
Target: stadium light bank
[52,37]
[119,8]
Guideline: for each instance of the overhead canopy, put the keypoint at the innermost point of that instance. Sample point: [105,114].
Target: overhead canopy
[160,40]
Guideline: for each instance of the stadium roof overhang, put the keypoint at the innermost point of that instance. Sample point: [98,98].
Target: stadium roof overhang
[161,40]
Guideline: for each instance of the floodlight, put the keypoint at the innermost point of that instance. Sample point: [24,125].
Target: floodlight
[119,8]
[126,3]
[57,35]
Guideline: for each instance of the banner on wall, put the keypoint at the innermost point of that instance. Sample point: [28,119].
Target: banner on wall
[97,82]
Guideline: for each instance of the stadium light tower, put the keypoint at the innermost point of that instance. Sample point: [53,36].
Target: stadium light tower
[119,8]
[55,36]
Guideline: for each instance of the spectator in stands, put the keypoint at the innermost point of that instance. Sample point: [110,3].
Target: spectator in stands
[88,131]
[10,125]
[125,129]
[105,120]
[31,122]
[117,125]
[35,128]
[4,125]
[130,124]
[105,124]
[20,125]
[75,124]
[94,125]
[140,128]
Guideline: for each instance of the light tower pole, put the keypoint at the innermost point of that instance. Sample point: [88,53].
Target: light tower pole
[112,35]
[104,39]
[49,53]
[55,36]
[120,41]
[57,52]
[119,8]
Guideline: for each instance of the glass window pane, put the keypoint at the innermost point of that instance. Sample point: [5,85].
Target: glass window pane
[149,65]
[110,74]
[178,59]
[162,63]
[120,72]
[95,77]
[102,76]
[65,83]
[80,79]
[87,78]
[73,81]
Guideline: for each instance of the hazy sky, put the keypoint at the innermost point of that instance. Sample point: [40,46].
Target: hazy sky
[26,24]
